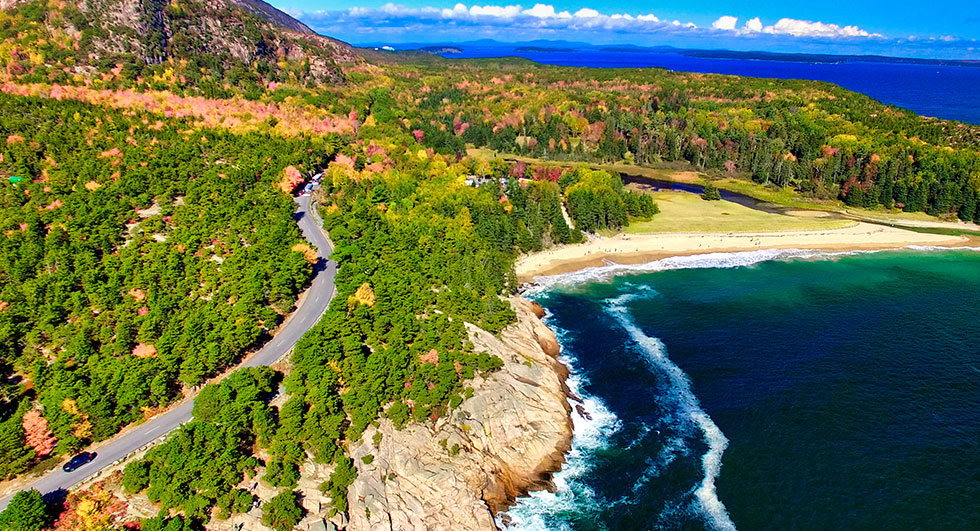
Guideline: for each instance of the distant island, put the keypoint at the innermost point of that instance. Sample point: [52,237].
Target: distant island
[541,49]
[793,57]
[547,46]
[441,50]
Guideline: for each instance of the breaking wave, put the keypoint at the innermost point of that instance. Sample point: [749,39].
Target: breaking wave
[541,510]
[689,414]
[704,261]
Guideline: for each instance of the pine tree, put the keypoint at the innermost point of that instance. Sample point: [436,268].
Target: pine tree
[283,511]
[26,512]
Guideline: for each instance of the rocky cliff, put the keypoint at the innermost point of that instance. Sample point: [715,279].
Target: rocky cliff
[506,439]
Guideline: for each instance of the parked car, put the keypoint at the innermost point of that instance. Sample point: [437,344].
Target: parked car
[79,460]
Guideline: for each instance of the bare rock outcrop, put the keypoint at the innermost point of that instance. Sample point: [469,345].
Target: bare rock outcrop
[506,439]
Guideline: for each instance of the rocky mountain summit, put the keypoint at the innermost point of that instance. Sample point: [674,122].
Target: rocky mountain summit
[228,40]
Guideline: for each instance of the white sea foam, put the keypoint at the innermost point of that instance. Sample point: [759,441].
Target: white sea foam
[698,261]
[704,261]
[689,409]
[674,446]
[932,248]
[570,493]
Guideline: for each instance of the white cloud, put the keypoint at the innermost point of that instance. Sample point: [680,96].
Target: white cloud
[458,9]
[590,13]
[545,19]
[541,11]
[806,28]
[495,11]
[540,16]
[791,26]
[725,23]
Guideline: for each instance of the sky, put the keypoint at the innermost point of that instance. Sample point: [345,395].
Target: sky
[911,28]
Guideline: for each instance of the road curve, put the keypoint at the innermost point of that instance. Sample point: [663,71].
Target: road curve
[315,302]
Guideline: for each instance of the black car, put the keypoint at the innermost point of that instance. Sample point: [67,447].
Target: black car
[79,460]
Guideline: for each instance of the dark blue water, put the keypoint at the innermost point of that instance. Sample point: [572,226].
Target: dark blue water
[949,92]
[816,392]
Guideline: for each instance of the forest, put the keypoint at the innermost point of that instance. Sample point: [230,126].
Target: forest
[148,242]
[823,141]
[140,258]
[206,47]
[137,259]
[819,139]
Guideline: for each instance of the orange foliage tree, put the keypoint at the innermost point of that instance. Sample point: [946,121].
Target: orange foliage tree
[290,179]
[39,436]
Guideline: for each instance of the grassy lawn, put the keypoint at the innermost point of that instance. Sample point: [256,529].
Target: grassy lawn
[685,212]
[894,215]
[784,197]
[777,196]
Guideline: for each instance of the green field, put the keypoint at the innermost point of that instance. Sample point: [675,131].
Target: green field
[686,212]
[784,197]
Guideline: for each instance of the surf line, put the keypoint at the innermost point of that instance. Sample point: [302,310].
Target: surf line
[656,356]
[593,426]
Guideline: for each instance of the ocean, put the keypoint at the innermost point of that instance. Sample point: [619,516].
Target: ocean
[949,92]
[769,390]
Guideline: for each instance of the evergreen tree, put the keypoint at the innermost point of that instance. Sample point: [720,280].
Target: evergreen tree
[710,192]
[26,512]
[283,511]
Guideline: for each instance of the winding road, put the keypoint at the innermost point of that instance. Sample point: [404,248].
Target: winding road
[310,309]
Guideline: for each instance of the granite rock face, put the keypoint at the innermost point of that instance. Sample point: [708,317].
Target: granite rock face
[506,439]
[455,474]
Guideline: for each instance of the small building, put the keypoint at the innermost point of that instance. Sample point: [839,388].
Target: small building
[477,181]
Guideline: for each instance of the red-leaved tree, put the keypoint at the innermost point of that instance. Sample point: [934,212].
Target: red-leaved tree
[39,437]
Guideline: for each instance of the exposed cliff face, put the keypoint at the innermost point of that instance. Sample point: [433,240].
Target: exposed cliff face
[508,438]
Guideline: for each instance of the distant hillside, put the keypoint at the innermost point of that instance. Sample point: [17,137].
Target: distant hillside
[222,42]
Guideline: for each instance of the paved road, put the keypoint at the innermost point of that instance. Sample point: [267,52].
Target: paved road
[314,304]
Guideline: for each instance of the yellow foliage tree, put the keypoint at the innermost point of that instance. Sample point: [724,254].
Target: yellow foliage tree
[364,295]
[95,509]
[83,430]
[308,253]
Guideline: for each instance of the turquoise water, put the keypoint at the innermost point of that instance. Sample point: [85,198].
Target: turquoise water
[770,390]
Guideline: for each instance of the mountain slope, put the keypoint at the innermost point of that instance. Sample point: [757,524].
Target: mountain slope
[227,42]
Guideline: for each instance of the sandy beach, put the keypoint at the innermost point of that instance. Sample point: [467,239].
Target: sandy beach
[640,248]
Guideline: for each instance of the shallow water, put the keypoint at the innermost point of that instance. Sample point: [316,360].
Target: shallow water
[770,390]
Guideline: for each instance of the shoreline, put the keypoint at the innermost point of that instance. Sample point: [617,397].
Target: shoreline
[461,469]
[629,249]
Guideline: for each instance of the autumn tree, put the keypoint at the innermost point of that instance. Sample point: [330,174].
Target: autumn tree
[38,435]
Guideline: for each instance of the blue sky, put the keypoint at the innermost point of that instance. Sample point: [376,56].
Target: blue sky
[917,28]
